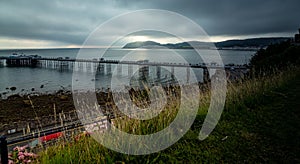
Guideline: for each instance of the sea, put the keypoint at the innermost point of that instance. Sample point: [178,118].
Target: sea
[29,80]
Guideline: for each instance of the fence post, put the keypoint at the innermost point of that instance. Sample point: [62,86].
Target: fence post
[3,148]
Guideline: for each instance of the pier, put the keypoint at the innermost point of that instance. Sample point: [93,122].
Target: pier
[102,66]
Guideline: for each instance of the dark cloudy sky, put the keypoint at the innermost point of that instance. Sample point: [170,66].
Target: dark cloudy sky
[54,23]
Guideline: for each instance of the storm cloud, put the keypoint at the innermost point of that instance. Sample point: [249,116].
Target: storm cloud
[70,22]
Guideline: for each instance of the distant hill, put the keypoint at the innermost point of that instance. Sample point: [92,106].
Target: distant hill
[153,45]
[141,44]
[255,43]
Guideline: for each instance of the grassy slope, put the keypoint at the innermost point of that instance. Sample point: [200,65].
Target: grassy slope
[259,128]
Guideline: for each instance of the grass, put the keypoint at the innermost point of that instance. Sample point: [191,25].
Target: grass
[260,123]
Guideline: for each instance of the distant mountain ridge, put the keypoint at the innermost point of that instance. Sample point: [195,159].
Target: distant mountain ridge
[255,43]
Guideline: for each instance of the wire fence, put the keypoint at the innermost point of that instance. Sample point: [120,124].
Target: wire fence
[100,124]
[38,123]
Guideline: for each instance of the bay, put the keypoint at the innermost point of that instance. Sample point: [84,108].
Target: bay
[45,80]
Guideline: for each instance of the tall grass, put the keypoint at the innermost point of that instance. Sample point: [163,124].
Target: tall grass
[242,95]
[245,93]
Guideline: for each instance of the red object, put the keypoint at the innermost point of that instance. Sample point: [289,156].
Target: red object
[51,136]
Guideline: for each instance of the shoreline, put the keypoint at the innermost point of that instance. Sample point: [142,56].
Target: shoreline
[12,91]
[17,110]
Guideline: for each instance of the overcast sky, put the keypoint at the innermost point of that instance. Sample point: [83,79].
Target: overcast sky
[45,24]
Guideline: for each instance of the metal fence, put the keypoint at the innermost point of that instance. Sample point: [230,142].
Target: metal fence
[5,143]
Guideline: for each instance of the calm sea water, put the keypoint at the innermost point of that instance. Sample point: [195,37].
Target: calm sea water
[24,79]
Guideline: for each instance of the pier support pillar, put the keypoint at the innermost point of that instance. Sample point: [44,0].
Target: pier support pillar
[80,66]
[95,66]
[158,72]
[100,68]
[119,69]
[206,78]
[1,63]
[108,68]
[66,65]
[61,65]
[130,70]
[143,72]
[188,73]
[72,65]
[172,72]
[88,66]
